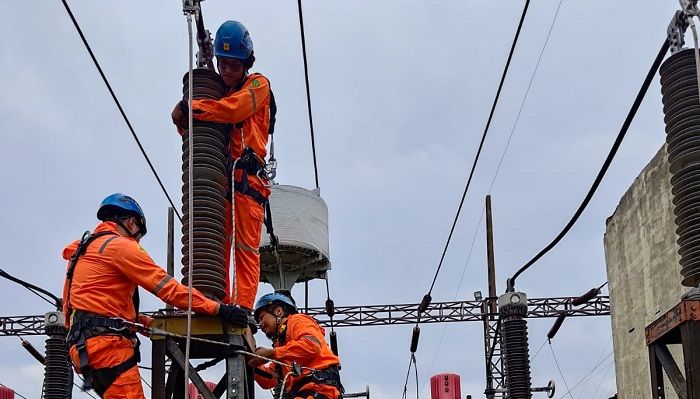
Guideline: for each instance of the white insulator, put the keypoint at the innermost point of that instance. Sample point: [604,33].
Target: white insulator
[300,221]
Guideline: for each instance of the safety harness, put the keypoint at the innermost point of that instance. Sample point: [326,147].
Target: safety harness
[328,376]
[85,325]
[254,165]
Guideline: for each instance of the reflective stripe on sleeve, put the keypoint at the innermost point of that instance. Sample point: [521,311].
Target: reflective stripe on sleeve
[247,248]
[104,244]
[312,339]
[161,284]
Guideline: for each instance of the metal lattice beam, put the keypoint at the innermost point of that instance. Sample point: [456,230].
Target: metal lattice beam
[382,315]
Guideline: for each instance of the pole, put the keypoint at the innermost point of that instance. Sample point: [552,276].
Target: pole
[490,302]
[170,263]
[490,258]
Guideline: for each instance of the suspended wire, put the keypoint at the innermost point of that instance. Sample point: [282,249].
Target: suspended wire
[551,348]
[539,350]
[408,373]
[597,358]
[415,368]
[493,180]
[481,145]
[15,392]
[121,110]
[308,91]
[38,291]
[527,92]
[602,377]
[146,382]
[587,374]
[459,285]
[606,164]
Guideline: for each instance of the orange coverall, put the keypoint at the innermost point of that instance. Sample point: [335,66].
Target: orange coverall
[248,109]
[303,343]
[104,281]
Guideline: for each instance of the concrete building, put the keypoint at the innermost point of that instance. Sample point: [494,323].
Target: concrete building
[643,273]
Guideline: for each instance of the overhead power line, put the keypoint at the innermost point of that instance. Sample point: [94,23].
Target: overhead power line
[498,168]
[308,91]
[119,106]
[608,160]
[36,290]
[481,144]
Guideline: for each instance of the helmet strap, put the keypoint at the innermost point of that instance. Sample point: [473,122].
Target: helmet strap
[128,232]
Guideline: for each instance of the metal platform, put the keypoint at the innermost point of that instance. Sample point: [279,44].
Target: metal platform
[237,382]
[680,325]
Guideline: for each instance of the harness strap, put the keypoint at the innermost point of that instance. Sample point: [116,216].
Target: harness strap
[82,248]
[103,378]
[328,376]
[306,393]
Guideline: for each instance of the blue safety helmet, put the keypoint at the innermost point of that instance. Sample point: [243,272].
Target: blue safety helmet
[121,203]
[274,298]
[233,40]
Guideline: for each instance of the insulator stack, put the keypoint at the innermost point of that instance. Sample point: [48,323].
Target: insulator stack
[209,191]
[679,88]
[58,375]
[514,344]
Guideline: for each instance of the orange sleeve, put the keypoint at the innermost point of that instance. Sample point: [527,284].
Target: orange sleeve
[67,254]
[138,266]
[265,376]
[303,343]
[236,107]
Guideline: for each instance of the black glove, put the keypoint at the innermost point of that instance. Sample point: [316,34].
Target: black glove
[233,315]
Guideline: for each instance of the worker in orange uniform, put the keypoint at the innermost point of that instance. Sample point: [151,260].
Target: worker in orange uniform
[101,292]
[297,338]
[250,108]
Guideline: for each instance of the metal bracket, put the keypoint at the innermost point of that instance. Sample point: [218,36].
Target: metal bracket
[190,6]
[178,357]
[676,30]
[550,389]
[690,7]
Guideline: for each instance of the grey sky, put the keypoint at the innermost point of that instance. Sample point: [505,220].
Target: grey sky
[401,91]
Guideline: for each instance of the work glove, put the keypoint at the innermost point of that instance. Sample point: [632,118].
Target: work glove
[233,315]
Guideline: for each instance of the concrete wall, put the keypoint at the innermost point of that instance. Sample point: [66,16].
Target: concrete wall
[643,273]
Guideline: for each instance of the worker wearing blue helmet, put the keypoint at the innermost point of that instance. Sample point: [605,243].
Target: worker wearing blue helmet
[100,292]
[296,338]
[249,108]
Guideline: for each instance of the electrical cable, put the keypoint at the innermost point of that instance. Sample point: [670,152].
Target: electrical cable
[527,92]
[539,350]
[119,106]
[38,291]
[587,374]
[481,145]
[415,368]
[556,361]
[608,160]
[147,384]
[459,285]
[493,180]
[602,377]
[408,373]
[188,339]
[308,91]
